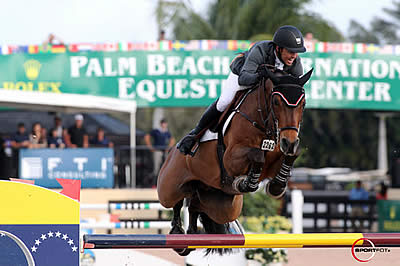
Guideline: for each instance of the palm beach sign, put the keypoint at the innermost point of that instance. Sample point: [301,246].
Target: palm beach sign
[195,78]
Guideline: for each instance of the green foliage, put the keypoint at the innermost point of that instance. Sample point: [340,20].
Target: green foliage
[381,30]
[240,19]
[345,139]
[267,255]
[259,204]
[266,225]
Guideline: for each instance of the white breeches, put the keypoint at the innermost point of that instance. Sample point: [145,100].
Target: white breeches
[228,91]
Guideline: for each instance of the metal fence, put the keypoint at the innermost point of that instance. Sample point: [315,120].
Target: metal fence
[331,211]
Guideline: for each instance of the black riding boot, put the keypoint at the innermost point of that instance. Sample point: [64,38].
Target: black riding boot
[211,114]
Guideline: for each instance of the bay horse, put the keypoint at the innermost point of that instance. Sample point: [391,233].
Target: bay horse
[261,142]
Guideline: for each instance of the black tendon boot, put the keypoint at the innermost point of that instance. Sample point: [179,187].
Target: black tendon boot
[211,114]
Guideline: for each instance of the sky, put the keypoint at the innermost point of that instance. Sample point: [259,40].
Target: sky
[96,21]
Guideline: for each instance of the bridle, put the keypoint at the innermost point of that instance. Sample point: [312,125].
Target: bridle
[271,130]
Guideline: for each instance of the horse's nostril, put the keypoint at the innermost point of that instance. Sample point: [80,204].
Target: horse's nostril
[284,144]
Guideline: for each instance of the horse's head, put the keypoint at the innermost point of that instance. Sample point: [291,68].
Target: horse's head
[287,102]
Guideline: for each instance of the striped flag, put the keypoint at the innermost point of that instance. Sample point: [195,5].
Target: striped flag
[165,45]
[360,48]
[232,45]
[58,48]
[320,47]
[33,49]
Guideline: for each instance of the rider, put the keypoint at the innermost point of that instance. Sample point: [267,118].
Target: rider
[281,53]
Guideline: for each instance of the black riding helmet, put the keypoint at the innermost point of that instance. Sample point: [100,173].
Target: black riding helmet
[289,37]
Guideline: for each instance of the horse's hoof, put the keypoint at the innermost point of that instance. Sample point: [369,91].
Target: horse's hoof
[176,230]
[183,251]
[275,189]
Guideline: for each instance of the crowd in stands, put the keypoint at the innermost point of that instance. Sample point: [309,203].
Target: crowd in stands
[58,136]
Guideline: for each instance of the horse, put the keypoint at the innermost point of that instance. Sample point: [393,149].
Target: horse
[261,142]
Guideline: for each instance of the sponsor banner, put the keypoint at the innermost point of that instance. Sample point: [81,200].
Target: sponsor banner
[389,216]
[186,78]
[93,166]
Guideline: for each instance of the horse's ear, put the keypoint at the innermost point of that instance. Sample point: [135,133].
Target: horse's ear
[303,80]
[271,75]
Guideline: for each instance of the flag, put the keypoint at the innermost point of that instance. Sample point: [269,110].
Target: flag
[44,48]
[320,47]
[347,48]
[47,233]
[309,46]
[193,45]
[232,45]
[33,49]
[106,47]
[360,48]
[81,47]
[178,45]
[151,46]
[243,45]
[386,49]
[165,45]
[372,48]
[5,49]
[58,48]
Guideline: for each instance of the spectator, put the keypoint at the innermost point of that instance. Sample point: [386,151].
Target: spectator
[358,210]
[161,36]
[58,127]
[309,37]
[54,140]
[21,138]
[382,194]
[77,134]
[53,40]
[162,141]
[36,138]
[100,140]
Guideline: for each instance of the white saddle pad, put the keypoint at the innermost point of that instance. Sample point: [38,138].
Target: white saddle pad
[213,136]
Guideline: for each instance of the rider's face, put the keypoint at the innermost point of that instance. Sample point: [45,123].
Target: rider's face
[288,57]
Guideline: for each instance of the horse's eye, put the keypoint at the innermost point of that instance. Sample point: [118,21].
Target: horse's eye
[276,101]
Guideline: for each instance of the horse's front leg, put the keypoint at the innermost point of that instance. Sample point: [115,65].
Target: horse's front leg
[276,188]
[250,182]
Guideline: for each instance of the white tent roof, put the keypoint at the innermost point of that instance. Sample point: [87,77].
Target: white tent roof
[65,102]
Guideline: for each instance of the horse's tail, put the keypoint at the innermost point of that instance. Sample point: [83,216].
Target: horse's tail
[211,227]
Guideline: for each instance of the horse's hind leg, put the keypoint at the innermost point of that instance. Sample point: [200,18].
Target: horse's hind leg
[177,221]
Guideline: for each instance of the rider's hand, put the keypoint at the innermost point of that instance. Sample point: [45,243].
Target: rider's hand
[263,72]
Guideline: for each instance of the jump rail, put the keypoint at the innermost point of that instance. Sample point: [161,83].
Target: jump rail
[309,240]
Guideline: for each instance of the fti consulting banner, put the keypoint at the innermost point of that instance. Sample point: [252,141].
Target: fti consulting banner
[342,80]
[93,166]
